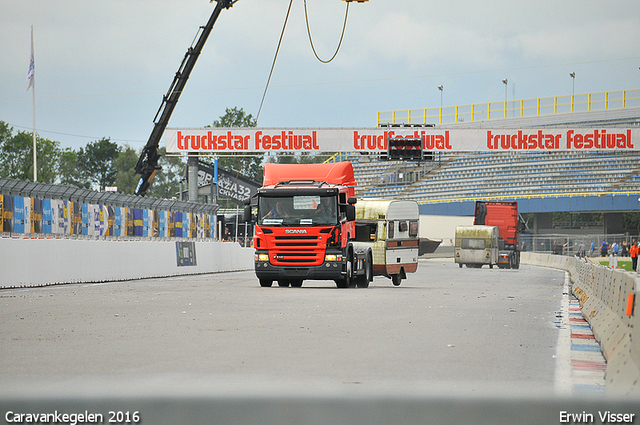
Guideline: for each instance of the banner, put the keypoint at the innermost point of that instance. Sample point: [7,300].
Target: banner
[243,140]
[18,214]
[231,184]
[186,254]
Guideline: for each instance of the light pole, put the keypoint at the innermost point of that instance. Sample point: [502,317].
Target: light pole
[573,77]
[573,87]
[505,81]
[441,88]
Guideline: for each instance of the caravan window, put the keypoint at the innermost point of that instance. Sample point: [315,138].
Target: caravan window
[473,244]
[413,229]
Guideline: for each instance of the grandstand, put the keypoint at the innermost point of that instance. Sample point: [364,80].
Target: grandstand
[460,176]
[499,175]
[542,182]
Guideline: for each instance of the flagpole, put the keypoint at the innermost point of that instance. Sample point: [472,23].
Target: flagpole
[33,90]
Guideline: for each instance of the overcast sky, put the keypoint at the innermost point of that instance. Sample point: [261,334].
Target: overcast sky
[102,67]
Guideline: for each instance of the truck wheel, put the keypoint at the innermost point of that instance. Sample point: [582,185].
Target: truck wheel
[396,279]
[347,280]
[363,281]
[283,283]
[297,283]
[266,283]
[517,264]
[460,264]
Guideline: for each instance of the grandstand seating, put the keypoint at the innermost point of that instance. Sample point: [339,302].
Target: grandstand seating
[499,175]
[490,174]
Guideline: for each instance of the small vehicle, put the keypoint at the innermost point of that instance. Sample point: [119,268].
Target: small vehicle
[504,215]
[476,246]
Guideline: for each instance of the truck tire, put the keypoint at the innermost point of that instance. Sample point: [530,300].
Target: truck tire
[266,283]
[396,279]
[284,283]
[296,283]
[346,281]
[363,280]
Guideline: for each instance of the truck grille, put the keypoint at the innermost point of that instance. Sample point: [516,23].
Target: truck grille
[297,250]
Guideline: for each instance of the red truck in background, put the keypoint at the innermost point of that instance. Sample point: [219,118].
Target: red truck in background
[304,226]
[505,216]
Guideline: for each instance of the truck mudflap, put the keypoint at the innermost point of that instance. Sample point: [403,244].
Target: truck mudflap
[509,259]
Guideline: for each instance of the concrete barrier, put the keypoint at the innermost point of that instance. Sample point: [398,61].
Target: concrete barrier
[608,298]
[39,262]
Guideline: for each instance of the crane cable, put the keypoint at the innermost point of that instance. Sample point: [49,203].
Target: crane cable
[286,19]
[274,60]
[306,16]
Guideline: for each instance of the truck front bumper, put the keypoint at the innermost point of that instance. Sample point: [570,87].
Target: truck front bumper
[329,270]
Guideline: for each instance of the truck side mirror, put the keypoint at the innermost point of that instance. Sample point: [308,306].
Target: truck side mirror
[247,214]
[350,210]
[352,200]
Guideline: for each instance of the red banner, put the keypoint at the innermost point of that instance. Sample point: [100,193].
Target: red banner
[229,140]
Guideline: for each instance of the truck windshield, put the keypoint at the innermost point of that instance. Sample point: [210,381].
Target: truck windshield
[310,210]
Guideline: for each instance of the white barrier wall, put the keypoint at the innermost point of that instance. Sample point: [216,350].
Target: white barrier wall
[609,301]
[36,262]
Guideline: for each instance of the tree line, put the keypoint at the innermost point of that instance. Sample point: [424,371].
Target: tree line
[99,164]
[103,163]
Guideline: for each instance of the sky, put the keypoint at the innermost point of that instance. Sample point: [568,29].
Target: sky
[102,67]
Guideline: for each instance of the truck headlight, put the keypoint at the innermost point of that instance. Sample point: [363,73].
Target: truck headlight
[262,257]
[330,257]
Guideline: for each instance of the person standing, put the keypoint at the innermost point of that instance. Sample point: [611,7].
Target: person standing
[633,252]
[591,249]
[614,255]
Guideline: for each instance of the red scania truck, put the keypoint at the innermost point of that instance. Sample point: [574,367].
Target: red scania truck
[503,215]
[304,226]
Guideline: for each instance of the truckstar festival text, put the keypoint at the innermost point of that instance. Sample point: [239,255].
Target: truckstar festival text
[375,139]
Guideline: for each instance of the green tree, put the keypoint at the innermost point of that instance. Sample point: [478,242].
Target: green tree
[16,152]
[125,164]
[166,183]
[97,162]
[234,117]
[249,166]
[69,172]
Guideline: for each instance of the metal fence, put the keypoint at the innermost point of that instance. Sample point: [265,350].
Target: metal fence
[568,244]
[602,101]
[33,209]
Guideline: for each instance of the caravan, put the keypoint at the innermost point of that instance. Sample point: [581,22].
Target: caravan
[390,228]
[476,245]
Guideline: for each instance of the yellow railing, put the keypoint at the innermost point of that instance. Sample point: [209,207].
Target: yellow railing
[514,108]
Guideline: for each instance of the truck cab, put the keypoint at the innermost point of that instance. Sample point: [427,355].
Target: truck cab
[304,223]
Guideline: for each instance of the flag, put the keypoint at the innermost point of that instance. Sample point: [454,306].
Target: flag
[32,67]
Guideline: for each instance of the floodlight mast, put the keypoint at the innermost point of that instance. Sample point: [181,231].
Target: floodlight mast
[148,162]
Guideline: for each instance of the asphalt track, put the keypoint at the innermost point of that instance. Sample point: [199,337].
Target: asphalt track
[456,329]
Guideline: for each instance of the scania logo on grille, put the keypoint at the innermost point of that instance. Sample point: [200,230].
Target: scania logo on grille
[295,231]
